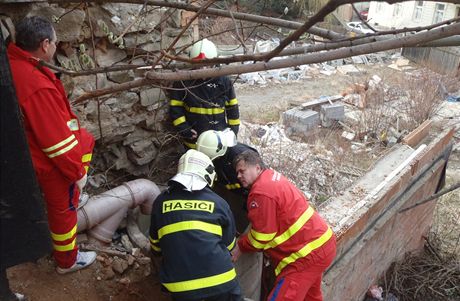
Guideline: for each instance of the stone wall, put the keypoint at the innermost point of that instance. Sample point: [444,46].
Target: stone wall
[131,127]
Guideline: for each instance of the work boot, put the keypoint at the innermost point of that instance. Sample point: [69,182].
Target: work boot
[84,259]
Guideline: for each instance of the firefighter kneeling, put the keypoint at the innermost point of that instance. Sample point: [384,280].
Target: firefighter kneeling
[194,231]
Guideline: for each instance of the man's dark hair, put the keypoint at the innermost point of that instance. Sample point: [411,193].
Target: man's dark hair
[250,157]
[31,31]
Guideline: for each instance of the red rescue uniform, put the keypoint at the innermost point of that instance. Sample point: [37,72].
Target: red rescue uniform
[61,151]
[298,241]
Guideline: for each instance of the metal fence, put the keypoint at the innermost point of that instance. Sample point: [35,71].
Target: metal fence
[445,60]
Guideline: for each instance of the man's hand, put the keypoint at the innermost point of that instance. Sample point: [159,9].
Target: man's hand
[82,182]
[194,134]
[236,253]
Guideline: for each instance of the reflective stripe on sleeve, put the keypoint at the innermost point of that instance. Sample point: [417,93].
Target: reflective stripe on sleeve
[190,145]
[293,229]
[232,244]
[233,186]
[231,102]
[233,122]
[86,158]
[154,243]
[205,282]
[262,236]
[58,145]
[64,150]
[306,250]
[255,243]
[65,236]
[176,103]
[179,120]
[190,225]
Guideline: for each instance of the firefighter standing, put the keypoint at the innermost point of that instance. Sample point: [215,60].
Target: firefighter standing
[298,241]
[60,149]
[203,104]
[194,231]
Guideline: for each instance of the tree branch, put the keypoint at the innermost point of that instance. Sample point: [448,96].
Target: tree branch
[377,46]
[324,33]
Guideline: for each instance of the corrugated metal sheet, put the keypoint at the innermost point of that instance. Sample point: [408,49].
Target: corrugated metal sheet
[445,60]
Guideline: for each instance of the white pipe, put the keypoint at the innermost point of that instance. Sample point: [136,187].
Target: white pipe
[103,213]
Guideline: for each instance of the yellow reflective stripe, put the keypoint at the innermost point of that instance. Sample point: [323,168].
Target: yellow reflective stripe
[153,241]
[65,236]
[307,249]
[64,150]
[190,145]
[262,236]
[254,242]
[155,248]
[231,102]
[86,158]
[302,220]
[233,122]
[58,145]
[205,111]
[233,186]
[64,248]
[190,225]
[230,246]
[179,120]
[205,282]
[177,103]
[86,168]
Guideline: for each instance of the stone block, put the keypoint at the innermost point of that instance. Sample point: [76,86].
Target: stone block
[151,96]
[331,113]
[299,121]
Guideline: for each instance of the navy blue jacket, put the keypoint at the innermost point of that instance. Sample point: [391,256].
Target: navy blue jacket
[194,232]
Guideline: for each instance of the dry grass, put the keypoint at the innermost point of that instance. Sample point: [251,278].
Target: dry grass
[424,277]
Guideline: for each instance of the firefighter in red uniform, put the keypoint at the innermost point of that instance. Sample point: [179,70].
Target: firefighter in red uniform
[298,241]
[60,149]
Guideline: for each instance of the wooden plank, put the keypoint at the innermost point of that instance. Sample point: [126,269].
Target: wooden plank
[317,102]
[417,135]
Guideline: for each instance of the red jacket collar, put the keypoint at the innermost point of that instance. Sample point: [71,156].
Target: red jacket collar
[16,53]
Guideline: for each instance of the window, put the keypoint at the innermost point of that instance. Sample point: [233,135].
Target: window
[439,12]
[458,12]
[418,10]
[397,10]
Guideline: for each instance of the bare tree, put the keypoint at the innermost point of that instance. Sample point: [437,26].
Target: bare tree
[165,66]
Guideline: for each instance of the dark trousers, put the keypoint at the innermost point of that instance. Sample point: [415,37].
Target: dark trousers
[234,295]
[5,292]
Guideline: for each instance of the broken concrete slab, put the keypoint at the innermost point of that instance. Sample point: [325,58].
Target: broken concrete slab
[348,69]
[298,121]
[331,113]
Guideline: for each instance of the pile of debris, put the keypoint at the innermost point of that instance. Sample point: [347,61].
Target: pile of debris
[313,169]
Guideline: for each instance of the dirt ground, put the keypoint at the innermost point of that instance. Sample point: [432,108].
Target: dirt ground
[39,282]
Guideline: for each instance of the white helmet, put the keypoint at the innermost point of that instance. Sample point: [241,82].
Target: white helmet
[214,143]
[195,170]
[203,49]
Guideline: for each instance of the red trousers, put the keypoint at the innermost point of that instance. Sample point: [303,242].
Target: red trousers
[301,281]
[61,202]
